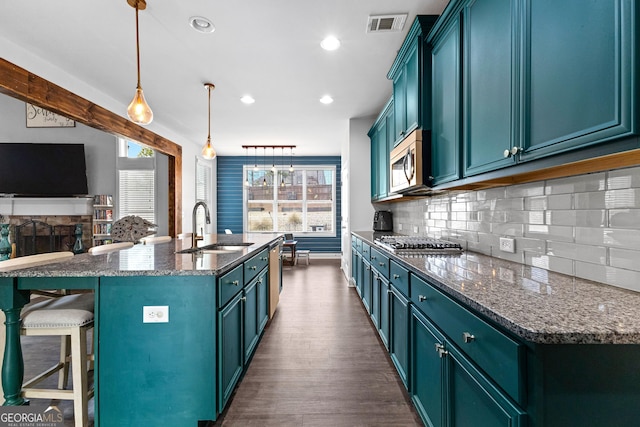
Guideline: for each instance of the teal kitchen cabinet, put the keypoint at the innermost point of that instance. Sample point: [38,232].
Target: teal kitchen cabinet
[384,312]
[230,348]
[399,320]
[447,389]
[524,96]
[366,285]
[375,297]
[381,136]
[411,76]
[446,84]
[135,356]
[263,300]
[581,91]
[250,319]
[490,41]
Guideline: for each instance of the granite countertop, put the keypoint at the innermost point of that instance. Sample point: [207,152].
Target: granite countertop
[155,260]
[535,304]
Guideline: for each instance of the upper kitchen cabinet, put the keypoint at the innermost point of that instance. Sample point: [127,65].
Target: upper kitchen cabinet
[382,137]
[517,80]
[579,82]
[445,135]
[411,76]
[489,90]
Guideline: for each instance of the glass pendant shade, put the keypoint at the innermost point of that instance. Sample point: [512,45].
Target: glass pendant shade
[207,151]
[139,111]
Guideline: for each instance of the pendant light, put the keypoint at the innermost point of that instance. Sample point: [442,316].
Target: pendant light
[139,111]
[246,152]
[208,152]
[291,160]
[264,169]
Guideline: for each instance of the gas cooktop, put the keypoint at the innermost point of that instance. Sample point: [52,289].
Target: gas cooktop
[417,245]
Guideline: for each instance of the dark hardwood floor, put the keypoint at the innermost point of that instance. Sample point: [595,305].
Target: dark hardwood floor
[319,363]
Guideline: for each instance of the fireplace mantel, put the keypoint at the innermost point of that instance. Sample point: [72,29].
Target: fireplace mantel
[37,206]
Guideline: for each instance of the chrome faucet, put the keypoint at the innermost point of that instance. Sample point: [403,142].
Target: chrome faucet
[207,217]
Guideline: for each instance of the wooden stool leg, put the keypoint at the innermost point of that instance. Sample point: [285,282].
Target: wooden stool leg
[79,367]
[65,348]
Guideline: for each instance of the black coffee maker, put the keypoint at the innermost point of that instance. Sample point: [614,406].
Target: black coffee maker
[382,221]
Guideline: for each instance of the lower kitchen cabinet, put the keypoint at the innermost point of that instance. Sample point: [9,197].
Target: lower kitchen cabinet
[251,335]
[399,333]
[447,389]
[263,300]
[366,285]
[383,319]
[230,348]
[375,298]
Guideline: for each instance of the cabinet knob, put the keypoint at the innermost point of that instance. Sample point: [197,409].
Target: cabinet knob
[235,283]
[243,299]
[264,258]
[253,267]
[373,257]
[467,337]
[260,280]
[422,298]
[441,351]
[396,276]
[512,151]
[381,264]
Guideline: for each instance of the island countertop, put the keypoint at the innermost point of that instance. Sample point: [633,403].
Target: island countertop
[538,305]
[158,259]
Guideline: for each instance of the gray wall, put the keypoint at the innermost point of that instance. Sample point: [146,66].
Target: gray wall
[100,149]
[100,152]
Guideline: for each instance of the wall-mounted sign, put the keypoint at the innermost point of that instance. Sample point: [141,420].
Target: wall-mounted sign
[38,117]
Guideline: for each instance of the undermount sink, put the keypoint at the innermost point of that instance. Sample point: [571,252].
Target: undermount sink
[216,248]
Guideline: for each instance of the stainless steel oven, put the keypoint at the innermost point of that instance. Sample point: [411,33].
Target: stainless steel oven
[409,164]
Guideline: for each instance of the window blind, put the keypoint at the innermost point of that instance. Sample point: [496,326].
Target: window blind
[137,193]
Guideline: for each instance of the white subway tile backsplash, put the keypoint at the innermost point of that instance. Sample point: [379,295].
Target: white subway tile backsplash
[624,258]
[535,203]
[576,184]
[587,226]
[624,218]
[623,178]
[560,201]
[589,200]
[592,254]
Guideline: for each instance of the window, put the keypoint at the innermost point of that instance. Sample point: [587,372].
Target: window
[298,201]
[136,180]
[203,191]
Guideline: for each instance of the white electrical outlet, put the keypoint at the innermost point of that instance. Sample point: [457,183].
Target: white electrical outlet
[507,245]
[399,227]
[155,314]
[415,229]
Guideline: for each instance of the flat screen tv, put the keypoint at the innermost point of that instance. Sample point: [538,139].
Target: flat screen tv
[43,170]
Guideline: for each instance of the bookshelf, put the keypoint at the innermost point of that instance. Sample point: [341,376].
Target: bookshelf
[102,219]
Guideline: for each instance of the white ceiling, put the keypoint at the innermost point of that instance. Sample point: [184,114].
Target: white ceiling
[268,49]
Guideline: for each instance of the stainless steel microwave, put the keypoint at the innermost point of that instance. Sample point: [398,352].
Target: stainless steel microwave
[409,165]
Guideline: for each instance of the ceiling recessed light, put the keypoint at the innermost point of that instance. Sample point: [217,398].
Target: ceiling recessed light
[201,24]
[326,99]
[247,99]
[330,43]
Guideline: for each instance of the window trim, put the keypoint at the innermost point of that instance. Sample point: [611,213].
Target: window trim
[305,201]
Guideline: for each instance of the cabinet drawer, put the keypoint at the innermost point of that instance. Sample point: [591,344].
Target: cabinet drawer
[380,262]
[356,243]
[253,266]
[399,278]
[494,352]
[228,285]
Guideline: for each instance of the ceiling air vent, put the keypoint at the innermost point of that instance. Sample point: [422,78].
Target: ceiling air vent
[386,23]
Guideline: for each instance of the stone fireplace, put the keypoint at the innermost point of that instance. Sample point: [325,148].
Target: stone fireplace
[34,234]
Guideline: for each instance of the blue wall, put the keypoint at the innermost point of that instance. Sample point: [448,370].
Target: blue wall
[230,184]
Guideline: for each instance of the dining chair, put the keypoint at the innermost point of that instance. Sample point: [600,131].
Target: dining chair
[111,247]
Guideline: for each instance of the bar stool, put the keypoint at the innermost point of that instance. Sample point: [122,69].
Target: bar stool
[69,316]
[302,253]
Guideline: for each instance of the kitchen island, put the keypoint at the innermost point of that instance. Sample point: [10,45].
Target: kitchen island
[178,372]
[488,342]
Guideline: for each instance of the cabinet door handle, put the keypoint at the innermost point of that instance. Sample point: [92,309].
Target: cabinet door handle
[235,283]
[441,351]
[381,264]
[396,276]
[243,299]
[422,298]
[467,337]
